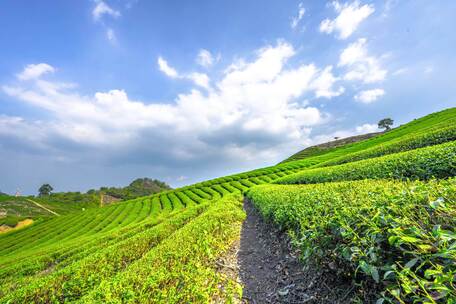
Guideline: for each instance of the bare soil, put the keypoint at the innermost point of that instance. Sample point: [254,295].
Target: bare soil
[19,225]
[270,271]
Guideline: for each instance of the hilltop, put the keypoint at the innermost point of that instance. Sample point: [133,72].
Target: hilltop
[137,188]
[358,222]
[327,146]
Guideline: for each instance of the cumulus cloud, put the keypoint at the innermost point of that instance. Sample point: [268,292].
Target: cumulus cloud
[295,20]
[367,128]
[252,114]
[205,58]
[101,9]
[369,96]
[339,134]
[33,71]
[361,66]
[350,15]
[200,79]
[166,69]
[324,84]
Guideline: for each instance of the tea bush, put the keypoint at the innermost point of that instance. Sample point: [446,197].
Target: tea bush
[436,161]
[401,235]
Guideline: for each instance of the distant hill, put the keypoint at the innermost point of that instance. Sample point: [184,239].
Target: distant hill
[15,209]
[328,146]
[137,188]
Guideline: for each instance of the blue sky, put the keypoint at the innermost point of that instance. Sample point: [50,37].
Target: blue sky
[97,93]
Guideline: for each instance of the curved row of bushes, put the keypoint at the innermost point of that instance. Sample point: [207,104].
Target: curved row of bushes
[182,268]
[188,240]
[84,270]
[401,236]
[424,124]
[436,161]
[420,140]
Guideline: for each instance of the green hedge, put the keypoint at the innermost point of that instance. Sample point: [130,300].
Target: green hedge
[436,161]
[182,269]
[81,276]
[411,142]
[400,236]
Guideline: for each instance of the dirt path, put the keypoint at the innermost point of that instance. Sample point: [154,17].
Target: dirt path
[41,206]
[271,272]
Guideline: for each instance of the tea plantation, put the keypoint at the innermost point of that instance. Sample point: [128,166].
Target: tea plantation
[383,210]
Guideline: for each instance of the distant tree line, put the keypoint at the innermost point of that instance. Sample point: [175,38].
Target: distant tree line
[139,187]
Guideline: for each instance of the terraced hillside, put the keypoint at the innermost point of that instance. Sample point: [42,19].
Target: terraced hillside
[165,248]
[14,210]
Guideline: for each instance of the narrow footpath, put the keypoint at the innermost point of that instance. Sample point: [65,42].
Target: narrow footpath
[41,206]
[270,271]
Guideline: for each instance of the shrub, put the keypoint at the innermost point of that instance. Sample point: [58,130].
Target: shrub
[401,235]
[436,161]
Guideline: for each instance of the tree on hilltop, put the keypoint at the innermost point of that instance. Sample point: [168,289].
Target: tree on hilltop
[45,189]
[385,123]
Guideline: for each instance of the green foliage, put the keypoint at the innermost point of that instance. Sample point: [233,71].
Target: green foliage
[45,189]
[401,144]
[436,161]
[14,209]
[68,202]
[84,273]
[442,119]
[137,188]
[386,123]
[162,247]
[181,269]
[399,235]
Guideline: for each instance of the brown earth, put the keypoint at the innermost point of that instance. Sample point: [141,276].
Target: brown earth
[19,225]
[269,270]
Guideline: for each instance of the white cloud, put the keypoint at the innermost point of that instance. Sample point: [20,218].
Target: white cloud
[400,71]
[205,58]
[111,35]
[295,20]
[101,8]
[367,128]
[268,65]
[324,83]
[350,15]
[13,126]
[361,66]
[33,71]
[251,114]
[200,79]
[340,134]
[165,68]
[369,96]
